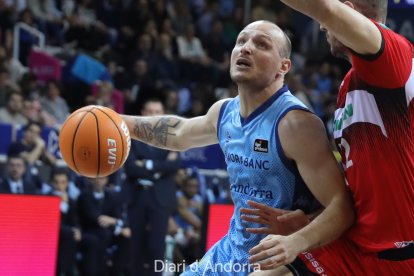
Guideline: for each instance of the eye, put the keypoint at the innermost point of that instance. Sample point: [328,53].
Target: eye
[262,45]
[240,41]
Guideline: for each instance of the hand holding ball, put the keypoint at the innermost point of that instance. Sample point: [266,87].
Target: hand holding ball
[94,141]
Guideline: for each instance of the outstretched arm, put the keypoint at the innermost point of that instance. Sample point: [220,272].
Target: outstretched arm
[350,27]
[304,140]
[173,132]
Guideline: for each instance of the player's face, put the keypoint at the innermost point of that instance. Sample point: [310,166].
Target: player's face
[255,57]
[337,48]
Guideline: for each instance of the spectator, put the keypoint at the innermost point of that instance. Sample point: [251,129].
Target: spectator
[32,109]
[70,235]
[194,61]
[140,87]
[49,19]
[101,216]
[14,181]
[32,147]
[53,103]
[165,63]
[144,49]
[104,93]
[188,217]
[85,29]
[150,172]
[12,113]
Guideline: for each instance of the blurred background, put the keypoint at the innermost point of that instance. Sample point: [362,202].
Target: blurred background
[136,57]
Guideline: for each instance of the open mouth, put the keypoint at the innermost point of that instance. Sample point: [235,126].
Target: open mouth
[241,62]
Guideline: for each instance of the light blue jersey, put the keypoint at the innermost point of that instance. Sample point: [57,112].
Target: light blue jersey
[259,171]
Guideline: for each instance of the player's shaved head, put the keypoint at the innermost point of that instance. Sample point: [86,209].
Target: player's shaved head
[285,48]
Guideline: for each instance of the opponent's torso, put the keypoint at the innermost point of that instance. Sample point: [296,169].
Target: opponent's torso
[373,130]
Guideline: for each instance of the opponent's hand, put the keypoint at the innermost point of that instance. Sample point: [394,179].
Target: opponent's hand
[275,250]
[277,221]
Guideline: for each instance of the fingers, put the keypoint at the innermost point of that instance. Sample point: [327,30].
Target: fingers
[264,244]
[272,262]
[255,212]
[254,219]
[268,256]
[248,211]
[260,231]
[268,209]
[292,215]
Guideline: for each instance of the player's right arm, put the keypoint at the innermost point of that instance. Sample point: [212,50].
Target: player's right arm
[174,132]
[350,27]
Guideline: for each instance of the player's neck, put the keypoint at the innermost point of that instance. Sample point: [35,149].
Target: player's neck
[251,99]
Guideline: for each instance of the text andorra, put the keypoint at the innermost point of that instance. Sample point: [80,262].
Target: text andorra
[251,191]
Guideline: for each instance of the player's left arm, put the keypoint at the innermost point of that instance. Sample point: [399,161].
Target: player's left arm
[304,140]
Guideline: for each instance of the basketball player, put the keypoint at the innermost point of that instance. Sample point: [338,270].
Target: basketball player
[276,151]
[373,129]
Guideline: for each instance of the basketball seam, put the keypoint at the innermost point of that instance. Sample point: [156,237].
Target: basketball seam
[99,141]
[120,134]
[74,137]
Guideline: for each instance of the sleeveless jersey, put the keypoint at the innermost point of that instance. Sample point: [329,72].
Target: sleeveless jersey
[374,132]
[258,170]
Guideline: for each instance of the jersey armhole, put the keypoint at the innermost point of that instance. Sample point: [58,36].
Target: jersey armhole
[372,57]
[222,108]
[289,164]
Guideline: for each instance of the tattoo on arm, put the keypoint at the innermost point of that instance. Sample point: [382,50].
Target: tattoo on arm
[156,134]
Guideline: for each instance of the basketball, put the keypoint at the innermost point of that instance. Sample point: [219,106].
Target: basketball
[94,141]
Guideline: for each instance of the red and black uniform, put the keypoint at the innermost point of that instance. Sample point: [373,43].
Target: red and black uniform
[374,132]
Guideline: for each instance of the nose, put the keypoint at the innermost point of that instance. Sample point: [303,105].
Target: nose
[246,48]
[322,28]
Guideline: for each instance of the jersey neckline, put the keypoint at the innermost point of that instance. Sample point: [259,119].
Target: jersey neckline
[264,106]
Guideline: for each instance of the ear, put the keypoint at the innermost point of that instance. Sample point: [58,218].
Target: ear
[285,67]
[350,4]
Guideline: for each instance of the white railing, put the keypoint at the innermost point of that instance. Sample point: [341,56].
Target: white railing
[16,37]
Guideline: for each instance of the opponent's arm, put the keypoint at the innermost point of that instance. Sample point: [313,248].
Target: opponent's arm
[174,132]
[350,27]
[304,140]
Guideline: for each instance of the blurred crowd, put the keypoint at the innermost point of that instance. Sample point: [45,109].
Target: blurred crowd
[172,54]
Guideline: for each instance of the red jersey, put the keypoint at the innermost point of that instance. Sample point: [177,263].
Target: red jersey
[374,131]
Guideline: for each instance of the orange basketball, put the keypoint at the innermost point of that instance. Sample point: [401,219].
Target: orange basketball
[94,141]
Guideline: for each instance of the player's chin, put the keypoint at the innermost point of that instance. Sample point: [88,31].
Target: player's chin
[240,77]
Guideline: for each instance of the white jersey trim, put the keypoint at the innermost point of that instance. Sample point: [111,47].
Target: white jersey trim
[360,107]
